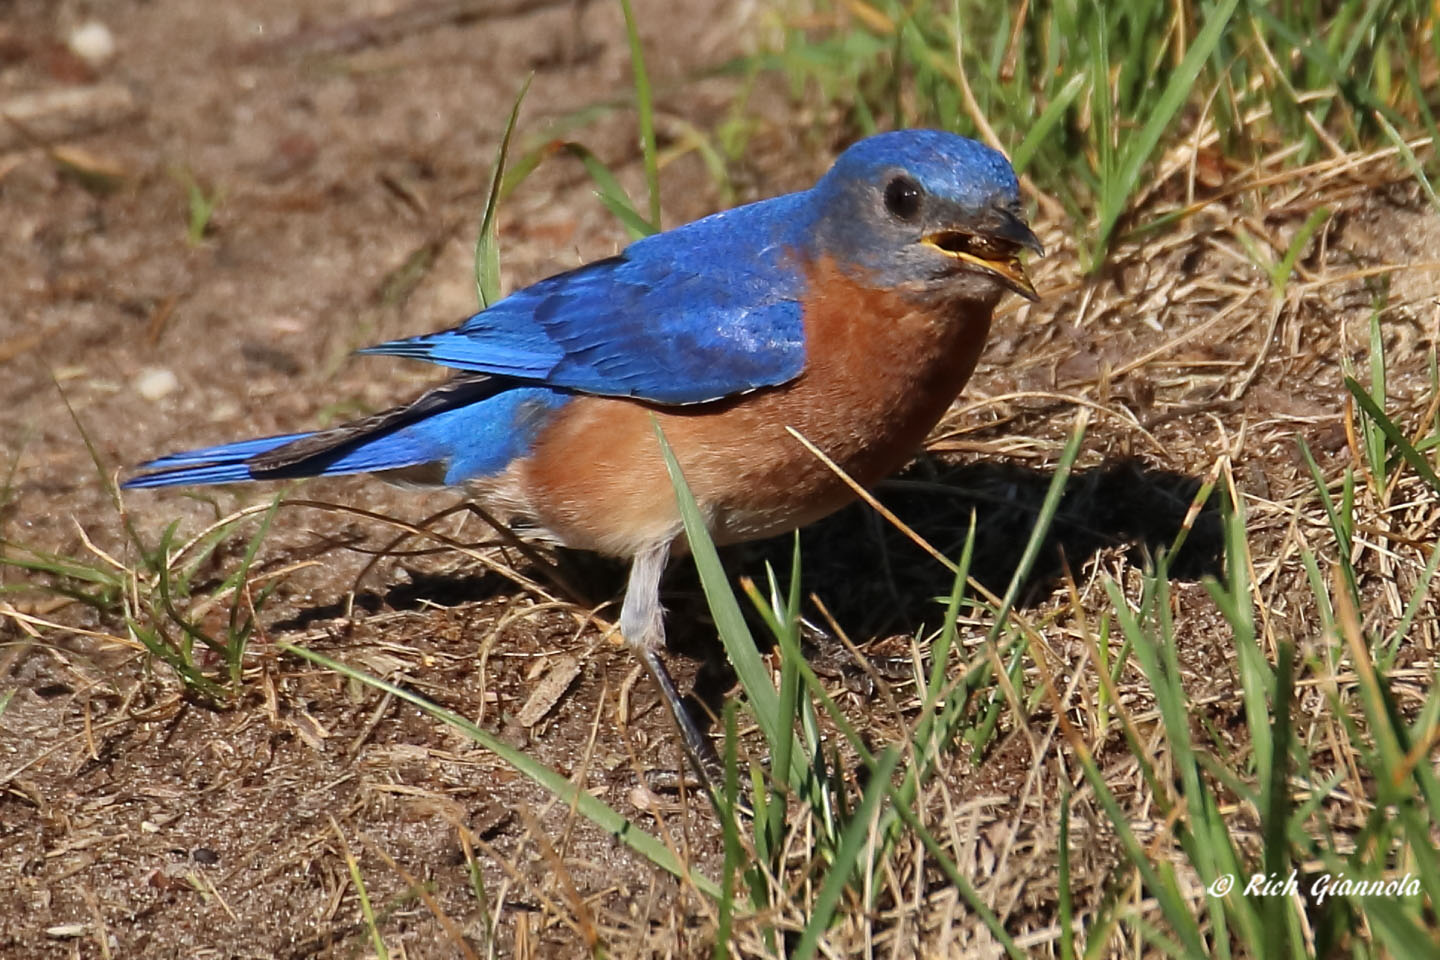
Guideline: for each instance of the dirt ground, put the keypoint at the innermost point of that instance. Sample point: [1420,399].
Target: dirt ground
[350,153]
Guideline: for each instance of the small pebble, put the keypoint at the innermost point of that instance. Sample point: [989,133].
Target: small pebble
[93,42]
[156,382]
[642,798]
[67,931]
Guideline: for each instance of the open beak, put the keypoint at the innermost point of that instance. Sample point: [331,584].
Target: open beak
[996,250]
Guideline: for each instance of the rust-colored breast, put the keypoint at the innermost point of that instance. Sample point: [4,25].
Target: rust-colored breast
[879,374]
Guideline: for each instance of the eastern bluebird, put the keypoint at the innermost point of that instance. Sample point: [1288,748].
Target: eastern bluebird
[853,312]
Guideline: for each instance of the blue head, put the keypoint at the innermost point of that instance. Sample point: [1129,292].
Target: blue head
[930,213]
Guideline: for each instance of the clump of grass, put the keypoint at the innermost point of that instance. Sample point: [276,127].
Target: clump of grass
[160,592]
[1254,832]
[1088,98]
[163,602]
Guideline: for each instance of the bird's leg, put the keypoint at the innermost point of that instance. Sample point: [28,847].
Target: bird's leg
[643,627]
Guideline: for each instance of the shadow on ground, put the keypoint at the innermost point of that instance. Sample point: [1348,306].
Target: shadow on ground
[891,584]
[874,581]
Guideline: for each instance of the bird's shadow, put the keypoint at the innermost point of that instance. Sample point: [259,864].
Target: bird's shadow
[873,580]
[876,581]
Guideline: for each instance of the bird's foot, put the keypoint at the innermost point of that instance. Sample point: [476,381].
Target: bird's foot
[709,769]
[831,657]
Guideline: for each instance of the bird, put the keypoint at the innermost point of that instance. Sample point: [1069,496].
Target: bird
[852,313]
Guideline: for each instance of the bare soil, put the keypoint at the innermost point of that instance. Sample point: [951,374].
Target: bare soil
[349,146]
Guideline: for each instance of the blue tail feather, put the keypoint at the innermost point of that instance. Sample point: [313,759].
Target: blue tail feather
[468,428]
[220,464]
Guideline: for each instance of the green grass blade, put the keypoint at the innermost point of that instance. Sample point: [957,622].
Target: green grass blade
[367,911]
[1280,277]
[729,621]
[1045,124]
[238,634]
[1424,584]
[645,108]
[487,246]
[1043,520]
[1160,883]
[1036,542]
[926,743]
[1403,934]
[1414,458]
[730,831]
[790,685]
[39,561]
[1275,805]
[611,193]
[1067,908]
[636,225]
[1257,682]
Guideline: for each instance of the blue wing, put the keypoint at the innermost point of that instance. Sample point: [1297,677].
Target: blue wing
[700,312]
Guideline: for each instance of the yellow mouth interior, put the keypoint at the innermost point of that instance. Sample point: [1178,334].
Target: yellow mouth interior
[997,256]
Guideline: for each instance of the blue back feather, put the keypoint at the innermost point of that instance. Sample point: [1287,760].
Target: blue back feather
[694,314]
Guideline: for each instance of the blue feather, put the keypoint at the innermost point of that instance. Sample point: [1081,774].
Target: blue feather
[448,428]
[698,313]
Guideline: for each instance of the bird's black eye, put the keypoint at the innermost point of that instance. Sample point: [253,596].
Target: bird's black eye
[902,197]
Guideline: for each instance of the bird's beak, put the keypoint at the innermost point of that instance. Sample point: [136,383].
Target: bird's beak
[994,248]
